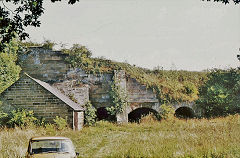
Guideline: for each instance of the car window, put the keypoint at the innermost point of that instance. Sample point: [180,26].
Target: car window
[42,146]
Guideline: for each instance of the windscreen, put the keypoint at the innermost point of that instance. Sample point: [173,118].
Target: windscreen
[51,146]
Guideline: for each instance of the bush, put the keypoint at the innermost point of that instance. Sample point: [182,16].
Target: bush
[60,123]
[21,117]
[90,114]
[3,116]
[219,96]
[50,129]
[167,111]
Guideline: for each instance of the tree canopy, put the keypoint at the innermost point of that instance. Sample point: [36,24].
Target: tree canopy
[225,1]
[219,96]
[14,21]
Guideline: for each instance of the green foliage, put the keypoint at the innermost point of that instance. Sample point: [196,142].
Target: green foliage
[60,123]
[167,111]
[90,114]
[50,129]
[3,116]
[9,71]
[118,97]
[48,44]
[21,117]
[219,96]
[79,56]
[23,13]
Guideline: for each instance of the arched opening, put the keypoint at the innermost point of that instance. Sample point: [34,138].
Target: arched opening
[184,112]
[136,115]
[102,114]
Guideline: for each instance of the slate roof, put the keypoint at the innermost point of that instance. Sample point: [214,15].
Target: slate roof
[58,94]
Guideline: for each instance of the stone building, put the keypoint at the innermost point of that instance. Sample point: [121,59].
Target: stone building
[46,102]
[47,67]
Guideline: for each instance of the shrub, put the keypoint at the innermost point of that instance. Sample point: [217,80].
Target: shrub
[48,44]
[50,129]
[60,123]
[90,114]
[3,116]
[167,111]
[219,96]
[21,117]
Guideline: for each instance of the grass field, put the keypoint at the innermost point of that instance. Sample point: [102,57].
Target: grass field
[214,138]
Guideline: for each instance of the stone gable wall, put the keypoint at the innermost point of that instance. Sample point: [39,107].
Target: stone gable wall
[44,64]
[27,94]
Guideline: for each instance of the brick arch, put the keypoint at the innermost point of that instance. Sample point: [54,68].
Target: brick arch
[135,115]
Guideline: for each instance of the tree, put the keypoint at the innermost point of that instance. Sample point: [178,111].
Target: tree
[219,96]
[9,70]
[225,1]
[14,22]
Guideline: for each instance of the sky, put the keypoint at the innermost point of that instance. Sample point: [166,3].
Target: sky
[184,35]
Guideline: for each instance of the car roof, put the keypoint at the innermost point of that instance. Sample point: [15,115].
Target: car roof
[49,138]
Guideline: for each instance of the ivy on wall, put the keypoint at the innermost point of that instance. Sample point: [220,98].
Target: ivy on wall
[118,97]
[90,114]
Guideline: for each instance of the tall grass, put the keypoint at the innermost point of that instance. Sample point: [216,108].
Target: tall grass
[168,138]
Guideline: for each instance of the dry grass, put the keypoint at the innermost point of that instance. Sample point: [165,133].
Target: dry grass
[172,138]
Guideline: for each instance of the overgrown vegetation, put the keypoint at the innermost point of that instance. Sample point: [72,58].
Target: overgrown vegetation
[219,96]
[118,97]
[172,138]
[60,123]
[218,89]
[19,117]
[90,114]
[47,44]
[9,70]
[167,112]
[170,86]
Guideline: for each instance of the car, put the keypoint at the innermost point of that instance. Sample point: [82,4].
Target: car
[51,147]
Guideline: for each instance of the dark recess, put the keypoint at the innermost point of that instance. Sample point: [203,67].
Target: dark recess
[184,112]
[102,114]
[136,115]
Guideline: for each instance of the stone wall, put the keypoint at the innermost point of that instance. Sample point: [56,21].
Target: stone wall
[99,85]
[74,90]
[140,96]
[49,66]
[44,64]
[27,94]
[139,93]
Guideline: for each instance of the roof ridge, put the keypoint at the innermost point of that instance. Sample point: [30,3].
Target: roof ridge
[57,93]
